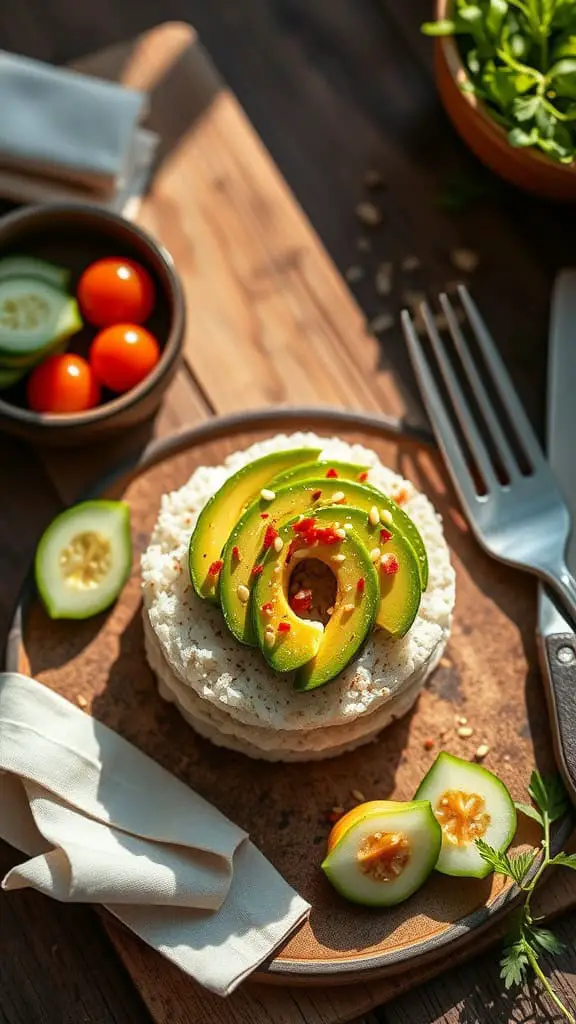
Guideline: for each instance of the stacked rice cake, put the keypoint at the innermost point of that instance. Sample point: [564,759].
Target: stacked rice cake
[226,691]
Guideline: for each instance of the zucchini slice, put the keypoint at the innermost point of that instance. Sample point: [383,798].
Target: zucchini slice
[470,803]
[33,317]
[382,851]
[30,266]
[84,559]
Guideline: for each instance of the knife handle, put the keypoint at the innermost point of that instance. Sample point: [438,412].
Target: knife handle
[558,661]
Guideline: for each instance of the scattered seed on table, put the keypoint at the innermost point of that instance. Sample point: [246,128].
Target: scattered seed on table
[383,278]
[381,323]
[81,700]
[462,720]
[363,244]
[358,795]
[465,731]
[445,663]
[410,264]
[368,213]
[465,260]
[354,273]
[482,751]
[373,178]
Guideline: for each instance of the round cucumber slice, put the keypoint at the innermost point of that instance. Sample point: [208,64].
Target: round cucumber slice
[33,316]
[30,266]
[470,803]
[382,851]
[84,559]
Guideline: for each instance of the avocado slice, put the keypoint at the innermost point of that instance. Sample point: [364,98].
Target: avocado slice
[330,469]
[401,592]
[355,608]
[350,471]
[224,508]
[381,852]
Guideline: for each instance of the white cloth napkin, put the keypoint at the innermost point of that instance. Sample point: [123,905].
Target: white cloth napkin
[104,823]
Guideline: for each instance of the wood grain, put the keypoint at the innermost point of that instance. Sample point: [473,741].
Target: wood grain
[333,89]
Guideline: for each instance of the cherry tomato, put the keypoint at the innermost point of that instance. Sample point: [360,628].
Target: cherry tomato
[62,383]
[113,291]
[123,355]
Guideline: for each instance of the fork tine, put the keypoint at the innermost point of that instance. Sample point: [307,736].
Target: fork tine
[501,379]
[504,450]
[461,408]
[446,436]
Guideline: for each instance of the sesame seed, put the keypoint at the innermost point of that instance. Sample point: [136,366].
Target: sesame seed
[354,273]
[81,700]
[465,260]
[278,544]
[277,569]
[358,795]
[373,178]
[482,751]
[363,244]
[465,731]
[375,554]
[338,558]
[341,532]
[410,264]
[374,516]
[386,516]
[348,526]
[347,608]
[380,323]
[339,496]
[243,594]
[369,213]
[269,637]
[267,495]
[383,279]
[330,610]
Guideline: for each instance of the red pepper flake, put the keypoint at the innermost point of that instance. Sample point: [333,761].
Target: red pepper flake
[327,535]
[428,744]
[316,495]
[215,568]
[284,627]
[384,536]
[304,525]
[301,601]
[331,474]
[292,547]
[264,515]
[401,496]
[361,585]
[257,570]
[389,564]
[236,553]
[267,608]
[269,537]
[363,477]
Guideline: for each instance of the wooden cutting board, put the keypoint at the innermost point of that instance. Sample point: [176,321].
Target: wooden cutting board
[270,321]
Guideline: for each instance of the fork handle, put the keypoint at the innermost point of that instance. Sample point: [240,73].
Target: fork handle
[558,662]
[562,582]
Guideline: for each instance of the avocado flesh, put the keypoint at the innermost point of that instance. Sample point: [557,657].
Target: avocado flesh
[347,627]
[402,591]
[344,471]
[316,471]
[221,513]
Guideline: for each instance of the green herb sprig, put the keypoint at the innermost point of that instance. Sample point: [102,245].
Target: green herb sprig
[521,60]
[527,941]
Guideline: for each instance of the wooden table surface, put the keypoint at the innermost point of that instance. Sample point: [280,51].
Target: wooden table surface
[334,87]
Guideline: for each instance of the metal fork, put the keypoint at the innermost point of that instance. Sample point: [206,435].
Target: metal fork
[524,521]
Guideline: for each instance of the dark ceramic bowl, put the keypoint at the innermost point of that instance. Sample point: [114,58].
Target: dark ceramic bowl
[73,236]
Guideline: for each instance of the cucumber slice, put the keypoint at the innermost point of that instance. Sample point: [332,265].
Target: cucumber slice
[33,316]
[30,266]
[382,851]
[84,559]
[470,803]
[10,377]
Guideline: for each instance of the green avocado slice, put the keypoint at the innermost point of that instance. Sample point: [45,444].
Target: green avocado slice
[350,471]
[319,653]
[245,546]
[337,470]
[222,511]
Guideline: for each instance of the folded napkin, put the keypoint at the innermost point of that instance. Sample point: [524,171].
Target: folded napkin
[102,822]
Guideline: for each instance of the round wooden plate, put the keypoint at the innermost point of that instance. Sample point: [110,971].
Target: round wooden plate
[489,676]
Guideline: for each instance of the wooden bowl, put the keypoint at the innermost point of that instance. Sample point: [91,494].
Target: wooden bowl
[527,168]
[73,236]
